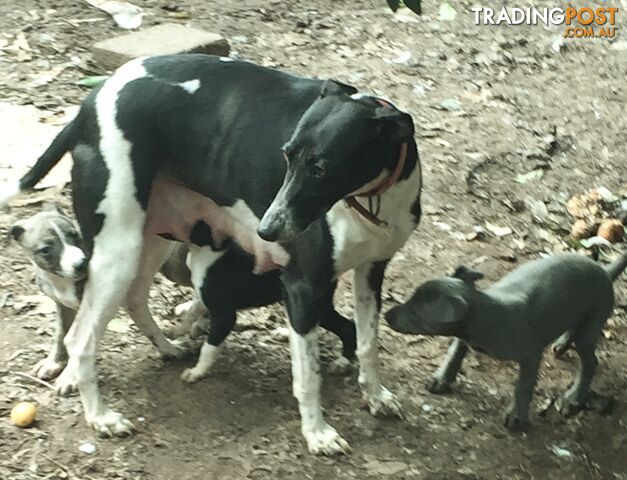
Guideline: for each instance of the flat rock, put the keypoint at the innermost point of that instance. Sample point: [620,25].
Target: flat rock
[164,39]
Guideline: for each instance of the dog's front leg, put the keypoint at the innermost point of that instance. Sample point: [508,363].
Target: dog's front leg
[367,283]
[304,301]
[321,437]
[55,362]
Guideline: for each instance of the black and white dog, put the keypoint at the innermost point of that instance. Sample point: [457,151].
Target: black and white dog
[298,151]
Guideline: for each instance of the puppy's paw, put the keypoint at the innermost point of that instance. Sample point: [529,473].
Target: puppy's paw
[110,423]
[66,383]
[569,406]
[438,386]
[560,346]
[385,404]
[514,423]
[174,349]
[48,369]
[324,440]
[192,375]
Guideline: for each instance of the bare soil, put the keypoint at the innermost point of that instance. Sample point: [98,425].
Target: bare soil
[522,106]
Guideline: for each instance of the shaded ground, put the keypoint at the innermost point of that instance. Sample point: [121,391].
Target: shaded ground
[242,422]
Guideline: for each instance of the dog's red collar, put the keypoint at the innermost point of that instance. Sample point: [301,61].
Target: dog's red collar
[374,195]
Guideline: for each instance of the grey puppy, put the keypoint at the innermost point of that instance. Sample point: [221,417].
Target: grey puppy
[515,319]
[53,244]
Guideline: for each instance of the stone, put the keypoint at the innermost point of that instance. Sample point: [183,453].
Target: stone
[164,39]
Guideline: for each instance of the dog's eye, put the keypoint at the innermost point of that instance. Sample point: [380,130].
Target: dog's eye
[45,250]
[318,170]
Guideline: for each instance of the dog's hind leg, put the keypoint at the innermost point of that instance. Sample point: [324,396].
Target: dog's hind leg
[445,375]
[562,344]
[53,364]
[575,398]
[367,283]
[154,253]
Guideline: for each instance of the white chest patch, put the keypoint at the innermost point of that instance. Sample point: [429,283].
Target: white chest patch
[357,241]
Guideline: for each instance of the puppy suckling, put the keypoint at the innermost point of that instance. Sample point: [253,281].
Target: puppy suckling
[515,319]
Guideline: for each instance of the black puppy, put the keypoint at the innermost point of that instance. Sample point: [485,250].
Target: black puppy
[515,319]
[225,283]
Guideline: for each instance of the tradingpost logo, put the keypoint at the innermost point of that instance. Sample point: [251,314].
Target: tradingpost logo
[584,22]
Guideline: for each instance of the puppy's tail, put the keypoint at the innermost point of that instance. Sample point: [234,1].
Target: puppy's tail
[60,145]
[616,268]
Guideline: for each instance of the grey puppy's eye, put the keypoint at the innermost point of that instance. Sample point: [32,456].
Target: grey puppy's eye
[45,250]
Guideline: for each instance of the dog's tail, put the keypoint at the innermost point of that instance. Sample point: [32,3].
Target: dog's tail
[60,145]
[616,268]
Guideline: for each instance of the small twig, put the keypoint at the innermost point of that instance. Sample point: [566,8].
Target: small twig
[54,462]
[34,379]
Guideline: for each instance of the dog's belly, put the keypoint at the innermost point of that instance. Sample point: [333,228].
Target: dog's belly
[173,210]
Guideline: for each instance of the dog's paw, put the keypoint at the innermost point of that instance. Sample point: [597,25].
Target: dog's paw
[192,375]
[385,404]
[48,369]
[110,424]
[560,347]
[66,383]
[174,349]
[514,423]
[438,386]
[324,440]
[568,406]
[341,366]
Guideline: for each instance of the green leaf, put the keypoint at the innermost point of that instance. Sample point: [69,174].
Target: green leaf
[394,4]
[413,5]
[92,81]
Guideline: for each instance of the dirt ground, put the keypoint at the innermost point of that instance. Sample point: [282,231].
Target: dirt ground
[512,105]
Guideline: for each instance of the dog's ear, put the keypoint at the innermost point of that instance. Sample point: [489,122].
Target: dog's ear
[331,87]
[467,275]
[394,125]
[51,207]
[16,231]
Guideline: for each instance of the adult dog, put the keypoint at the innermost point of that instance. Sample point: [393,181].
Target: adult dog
[298,151]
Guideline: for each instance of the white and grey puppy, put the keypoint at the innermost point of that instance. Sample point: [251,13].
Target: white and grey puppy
[52,242]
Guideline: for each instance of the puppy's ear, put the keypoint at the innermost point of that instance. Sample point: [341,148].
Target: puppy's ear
[16,231]
[52,207]
[394,125]
[331,87]
[452,309]
[467,275]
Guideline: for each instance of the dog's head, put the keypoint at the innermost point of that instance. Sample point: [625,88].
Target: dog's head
[437,307]
[52,242]
[343,144]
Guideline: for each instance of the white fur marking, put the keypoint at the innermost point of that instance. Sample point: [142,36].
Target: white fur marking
[8,191]
[199,260]
[71,258]
[321,438]
[226,59]
[120,237]
[190,86]
[206,359]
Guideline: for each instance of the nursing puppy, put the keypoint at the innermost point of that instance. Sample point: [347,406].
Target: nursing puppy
[515,319]
[222,289]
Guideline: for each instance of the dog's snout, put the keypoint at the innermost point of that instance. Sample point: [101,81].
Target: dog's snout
[81,266]
[268,231]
